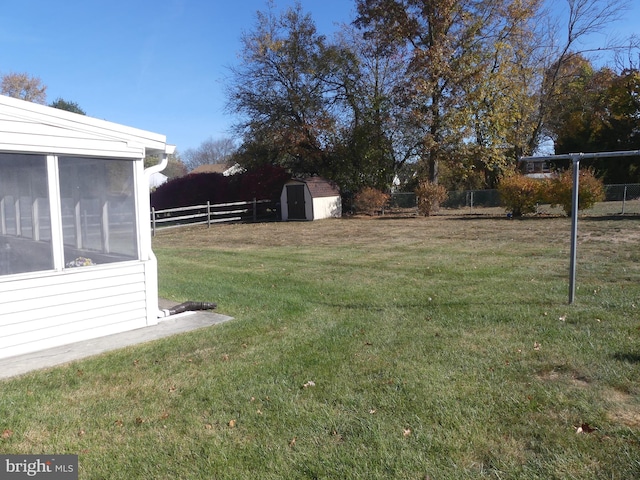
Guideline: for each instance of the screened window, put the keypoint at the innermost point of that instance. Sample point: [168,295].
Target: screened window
[25,219]
[98,211]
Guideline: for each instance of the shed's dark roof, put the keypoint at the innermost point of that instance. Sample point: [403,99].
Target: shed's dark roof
[321,187]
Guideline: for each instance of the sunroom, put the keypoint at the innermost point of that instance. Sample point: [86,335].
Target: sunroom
[75,246]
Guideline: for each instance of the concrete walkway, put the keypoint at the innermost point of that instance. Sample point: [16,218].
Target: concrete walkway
[183,322]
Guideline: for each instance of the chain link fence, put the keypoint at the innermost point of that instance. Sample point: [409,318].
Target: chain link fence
[621,199]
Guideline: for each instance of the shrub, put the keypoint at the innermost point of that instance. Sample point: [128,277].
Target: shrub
[430,196]
[520,194]
[192,189]
[263,183]
[560,190]
[369,200]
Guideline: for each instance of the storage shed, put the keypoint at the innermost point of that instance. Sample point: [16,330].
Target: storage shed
[310,198]
[75,243]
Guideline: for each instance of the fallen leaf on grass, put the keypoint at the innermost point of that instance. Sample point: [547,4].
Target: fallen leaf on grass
[585,428]
[7,433]
[292,443]
[139,420]
[562,318]
[81,433]
[406,432]
[232,423]
[208,426]
[118,423]
[310,383]
[536,346]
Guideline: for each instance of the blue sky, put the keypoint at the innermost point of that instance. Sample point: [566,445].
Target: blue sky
[158,65]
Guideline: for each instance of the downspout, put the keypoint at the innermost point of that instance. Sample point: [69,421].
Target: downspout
[152,304]
[162,165]
[186,306]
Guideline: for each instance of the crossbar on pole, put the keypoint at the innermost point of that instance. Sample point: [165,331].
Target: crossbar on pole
[575,158]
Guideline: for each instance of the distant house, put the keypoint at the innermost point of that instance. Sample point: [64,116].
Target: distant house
[157,179]
[538,168]
[222,168]
[75,243]
[312,198]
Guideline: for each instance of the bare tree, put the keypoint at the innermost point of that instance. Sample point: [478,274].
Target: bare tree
[24,87]
[559,44]
[209,152]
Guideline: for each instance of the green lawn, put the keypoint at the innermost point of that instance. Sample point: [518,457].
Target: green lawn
[409,348]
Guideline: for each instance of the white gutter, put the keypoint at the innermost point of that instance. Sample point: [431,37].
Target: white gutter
[170,149]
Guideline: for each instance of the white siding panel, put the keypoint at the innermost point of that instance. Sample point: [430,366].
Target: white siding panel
[13,283]
[79,304]
[78,336]
[327,207]
[64,293]
[51,313]
[58,331]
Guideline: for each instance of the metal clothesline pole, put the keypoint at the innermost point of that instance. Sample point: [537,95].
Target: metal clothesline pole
[575,159]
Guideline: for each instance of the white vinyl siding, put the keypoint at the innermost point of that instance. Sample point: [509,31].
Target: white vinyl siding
[85,303]
[52,304]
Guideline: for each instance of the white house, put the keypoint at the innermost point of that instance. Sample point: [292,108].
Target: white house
[311,198]
[75,243]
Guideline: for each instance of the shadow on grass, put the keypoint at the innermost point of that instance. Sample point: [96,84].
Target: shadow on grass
[627,357]
[479,216]
[617,216]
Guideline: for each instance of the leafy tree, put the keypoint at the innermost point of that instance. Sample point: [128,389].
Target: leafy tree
[376,138]
[62,104]
[483,76]
[24,87]
[281,90]
[175,168]
[452,45]
[501,104]
[598,111]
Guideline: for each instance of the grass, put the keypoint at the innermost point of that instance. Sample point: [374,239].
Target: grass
[411,348]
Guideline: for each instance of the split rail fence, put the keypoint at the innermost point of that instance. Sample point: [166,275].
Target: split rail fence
[250,211]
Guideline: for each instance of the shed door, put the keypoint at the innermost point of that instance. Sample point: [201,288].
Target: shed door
[295,202]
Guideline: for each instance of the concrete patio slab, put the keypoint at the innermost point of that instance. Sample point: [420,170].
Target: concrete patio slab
[172,325]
